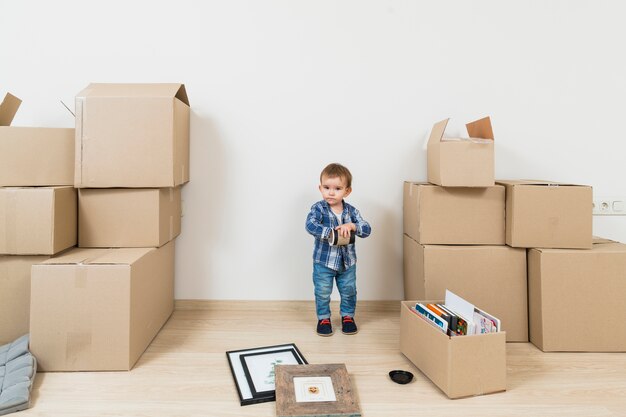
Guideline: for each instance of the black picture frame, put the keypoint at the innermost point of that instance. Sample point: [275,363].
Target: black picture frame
[243,381]
[254,378]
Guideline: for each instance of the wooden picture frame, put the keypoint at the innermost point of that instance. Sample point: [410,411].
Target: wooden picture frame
[291,402]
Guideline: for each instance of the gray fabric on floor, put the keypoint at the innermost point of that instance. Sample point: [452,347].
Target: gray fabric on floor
[17,373]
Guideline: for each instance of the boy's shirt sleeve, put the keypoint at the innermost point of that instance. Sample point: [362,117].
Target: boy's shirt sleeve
[314,224]
[363,228]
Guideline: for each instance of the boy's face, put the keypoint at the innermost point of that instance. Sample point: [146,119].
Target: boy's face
[334,190]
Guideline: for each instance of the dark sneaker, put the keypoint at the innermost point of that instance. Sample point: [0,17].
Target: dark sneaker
[348,326]
[324,328]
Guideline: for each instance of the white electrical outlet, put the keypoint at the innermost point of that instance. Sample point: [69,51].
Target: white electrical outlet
[609,206]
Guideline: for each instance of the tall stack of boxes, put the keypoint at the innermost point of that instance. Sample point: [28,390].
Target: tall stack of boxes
[454,239]
[97,307]
[38,209]
[465,232]
[454,231]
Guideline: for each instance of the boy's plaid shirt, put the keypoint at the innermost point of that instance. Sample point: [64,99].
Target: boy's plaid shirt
[321,221]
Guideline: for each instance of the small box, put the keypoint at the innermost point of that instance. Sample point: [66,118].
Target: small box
[457,216]
[576,298]
[132,135]
[15,295]
[545,214]
[462,162]
[461,366]
[33,156]
[493,277]
[99,309]
[37,220]
[128,217]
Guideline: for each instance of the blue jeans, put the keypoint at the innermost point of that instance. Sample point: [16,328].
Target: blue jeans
[346,284]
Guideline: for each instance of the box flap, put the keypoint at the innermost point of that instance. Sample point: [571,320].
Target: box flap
[539,183]
[86,256]
[596,240]
[438,129]
[136,90]
[480,129]
[8,108]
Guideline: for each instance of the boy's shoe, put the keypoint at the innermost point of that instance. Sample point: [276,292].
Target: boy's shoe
[348,326]
[324,328]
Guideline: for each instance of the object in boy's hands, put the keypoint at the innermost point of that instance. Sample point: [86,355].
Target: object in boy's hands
[337,240]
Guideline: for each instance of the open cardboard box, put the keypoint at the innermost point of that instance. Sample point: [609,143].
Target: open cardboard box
[33,156]
[132,135]
[461,366]
[462,162]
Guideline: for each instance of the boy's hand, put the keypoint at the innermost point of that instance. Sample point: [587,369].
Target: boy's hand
[345,229]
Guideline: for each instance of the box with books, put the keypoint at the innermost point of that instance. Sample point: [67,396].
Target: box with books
[463,353]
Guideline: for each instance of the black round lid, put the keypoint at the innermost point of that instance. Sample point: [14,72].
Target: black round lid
[401,377]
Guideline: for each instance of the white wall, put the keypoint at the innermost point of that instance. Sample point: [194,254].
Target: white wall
[280,88]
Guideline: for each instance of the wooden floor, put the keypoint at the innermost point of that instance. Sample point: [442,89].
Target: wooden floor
[184,372]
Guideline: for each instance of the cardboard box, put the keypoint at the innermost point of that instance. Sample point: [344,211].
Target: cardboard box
[33,156]
[462,162]
[15,295]
[99,309]
[460,366]
[545,214]
[463,216]
[37,220]
[493,277]
[576,298]
[128,217]
[132,135]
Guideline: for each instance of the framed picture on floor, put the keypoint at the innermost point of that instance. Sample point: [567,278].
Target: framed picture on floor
[253,370]
[315,391]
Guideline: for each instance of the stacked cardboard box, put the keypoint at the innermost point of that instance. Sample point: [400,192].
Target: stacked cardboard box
[99,306]
[576,298]
[37,209]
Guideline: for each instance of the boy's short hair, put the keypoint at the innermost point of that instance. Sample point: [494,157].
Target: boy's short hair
[337,170]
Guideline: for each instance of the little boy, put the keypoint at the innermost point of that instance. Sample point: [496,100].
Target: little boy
[328,216]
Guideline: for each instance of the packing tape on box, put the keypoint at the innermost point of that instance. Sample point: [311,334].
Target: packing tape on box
[79,103]
[10,221]
[171,227]
[77,345]
[80,276]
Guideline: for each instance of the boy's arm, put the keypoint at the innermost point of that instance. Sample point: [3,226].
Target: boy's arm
[363,228]
[314,224]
